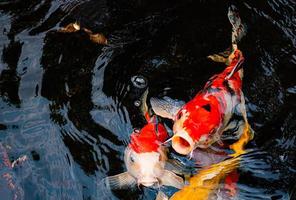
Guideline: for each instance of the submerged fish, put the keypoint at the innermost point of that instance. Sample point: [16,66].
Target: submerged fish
[202,185]
[201,121]
[145,159]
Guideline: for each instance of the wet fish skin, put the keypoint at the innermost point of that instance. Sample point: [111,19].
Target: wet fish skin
[206,181]
[201,121]
[145,157]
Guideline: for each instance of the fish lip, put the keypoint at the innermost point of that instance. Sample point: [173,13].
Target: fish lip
[148,182]
[182,143]
[202,146]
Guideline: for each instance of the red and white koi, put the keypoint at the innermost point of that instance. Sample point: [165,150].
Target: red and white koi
[200,122]
[145,158]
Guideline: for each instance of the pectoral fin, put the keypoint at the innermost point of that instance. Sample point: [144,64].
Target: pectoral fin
[171,179]
[174,166]
[161,196]
[166,107]
[218,58]
[120,181]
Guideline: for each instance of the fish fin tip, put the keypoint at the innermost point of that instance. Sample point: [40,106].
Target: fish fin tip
[238,28]
[119,181]
[169,178]
[166,107]
[218,58]
[161,196]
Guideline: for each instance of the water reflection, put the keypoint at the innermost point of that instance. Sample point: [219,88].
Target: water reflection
[68,103]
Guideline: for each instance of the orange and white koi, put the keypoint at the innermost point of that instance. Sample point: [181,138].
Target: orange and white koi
[203,185]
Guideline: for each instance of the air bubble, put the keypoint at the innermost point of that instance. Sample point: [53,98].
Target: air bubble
[137,103]
[139,81]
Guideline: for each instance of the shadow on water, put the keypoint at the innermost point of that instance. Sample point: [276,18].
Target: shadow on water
[69,104]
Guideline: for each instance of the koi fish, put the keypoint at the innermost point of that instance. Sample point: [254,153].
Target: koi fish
[222,87]
[200,122]
[145,158]
[202,185]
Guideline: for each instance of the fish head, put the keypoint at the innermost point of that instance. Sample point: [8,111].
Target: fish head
[145,160]
[145,157]
[145,167]
[195,125]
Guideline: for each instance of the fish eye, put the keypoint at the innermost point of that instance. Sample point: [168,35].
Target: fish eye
[136,130]
[132,159]
[207,107]
[179,115]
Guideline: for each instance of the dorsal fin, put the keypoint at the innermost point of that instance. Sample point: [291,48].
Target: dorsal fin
[166,107]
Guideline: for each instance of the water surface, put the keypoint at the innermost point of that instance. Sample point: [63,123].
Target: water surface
[69,104]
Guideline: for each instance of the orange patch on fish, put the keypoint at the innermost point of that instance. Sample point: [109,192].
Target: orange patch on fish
[203,184]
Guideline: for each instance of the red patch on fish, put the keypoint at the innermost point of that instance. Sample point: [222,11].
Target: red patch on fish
[149,138]
[231,183]
[202,116]
[205,112]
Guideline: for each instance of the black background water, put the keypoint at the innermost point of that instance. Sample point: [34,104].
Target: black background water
[68,103]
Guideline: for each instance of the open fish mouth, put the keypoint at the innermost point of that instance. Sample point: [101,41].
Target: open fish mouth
[182,143]
[147,182]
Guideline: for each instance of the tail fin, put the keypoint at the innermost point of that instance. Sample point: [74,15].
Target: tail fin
[238,28]
[238,31]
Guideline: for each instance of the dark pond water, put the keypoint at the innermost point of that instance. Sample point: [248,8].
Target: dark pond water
[69,104]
